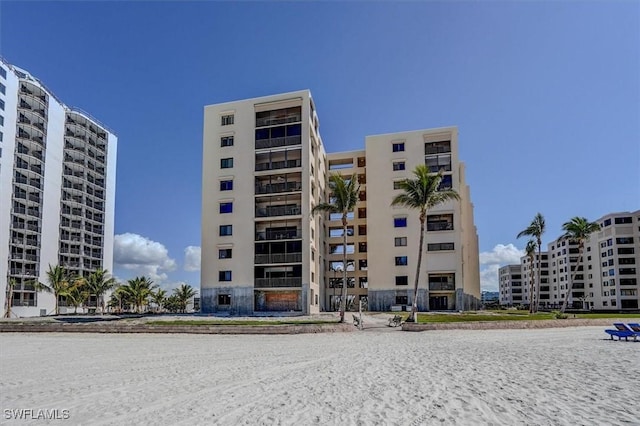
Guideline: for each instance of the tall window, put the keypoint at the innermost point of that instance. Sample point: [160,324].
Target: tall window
[226,120]
[226,163]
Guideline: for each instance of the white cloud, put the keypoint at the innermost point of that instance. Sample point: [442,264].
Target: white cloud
[491,261]
[192,258]
[142,256]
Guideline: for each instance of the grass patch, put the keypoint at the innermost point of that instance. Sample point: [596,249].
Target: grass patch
[511,316]
[239,322]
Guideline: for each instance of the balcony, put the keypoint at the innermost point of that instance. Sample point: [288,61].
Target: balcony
[278,282]
[273,188]
[278,258]
[277,165]
[439,286]
[272,211]
[440,226]
[277,142]
[268,234]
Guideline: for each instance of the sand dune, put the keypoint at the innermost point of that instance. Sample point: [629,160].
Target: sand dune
[503,377]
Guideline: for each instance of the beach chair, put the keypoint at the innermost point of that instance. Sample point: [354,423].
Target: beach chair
[635,327]
[621,331]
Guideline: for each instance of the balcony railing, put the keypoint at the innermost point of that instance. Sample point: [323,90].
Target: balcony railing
[279,235]
[278,258]
[435,168]
[275,165]
[276,142]
[278,282]
[279,187]
[429,150]
[278,211]
[442,286]
[440,226]
[270,121]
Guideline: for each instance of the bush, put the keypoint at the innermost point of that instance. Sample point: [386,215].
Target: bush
[558,315]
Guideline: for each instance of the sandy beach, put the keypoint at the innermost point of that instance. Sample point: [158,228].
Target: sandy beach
[568,376]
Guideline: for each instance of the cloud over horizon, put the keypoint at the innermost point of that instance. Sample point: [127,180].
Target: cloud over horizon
[491,261]
[192,256]
[142,256]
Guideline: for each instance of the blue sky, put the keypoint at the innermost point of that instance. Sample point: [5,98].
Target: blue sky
[546,96]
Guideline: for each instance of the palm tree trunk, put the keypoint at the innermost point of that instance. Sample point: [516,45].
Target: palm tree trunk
[532,286]
[537,295]
[7,313]
[573,275]
[57,307]
[343,298]
[414,305]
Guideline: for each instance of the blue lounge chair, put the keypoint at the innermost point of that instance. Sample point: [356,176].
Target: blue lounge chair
[635,327]
[622,331]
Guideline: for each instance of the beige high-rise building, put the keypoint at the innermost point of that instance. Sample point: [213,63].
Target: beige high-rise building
[264,170]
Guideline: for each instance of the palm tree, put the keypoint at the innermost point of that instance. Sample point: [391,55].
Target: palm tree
[57,283]
[536,229]
[98,284]
[139,290]
[530,251]
[159,298]
[343,199]
[578,229]
[77,292]
[10,286]
[422,193]
[118,298]
[183,294]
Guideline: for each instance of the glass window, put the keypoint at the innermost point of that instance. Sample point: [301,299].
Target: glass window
[226,141]
[226,163]
[1,104]
[226,230]
[398,165]
[400,241]
[3,88]
[224,254]
[3,72]
[400,222]
[398,146]
[226,185]
[224,299]
[224,275]
[402,280]
[401,260]
[226,120]
[226,207]
[397,184]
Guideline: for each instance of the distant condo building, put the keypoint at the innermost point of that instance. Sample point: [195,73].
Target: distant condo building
[57,186]
[605,279]
[264,170]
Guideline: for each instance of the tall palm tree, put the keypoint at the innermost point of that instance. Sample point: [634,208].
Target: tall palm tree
[536,229]
[139,290]
[77,292]
[158,298]
[183,294]
[98,284]
[343,199]
[530,250]
[578,229]
[9,301]
[57,283]
[422,193]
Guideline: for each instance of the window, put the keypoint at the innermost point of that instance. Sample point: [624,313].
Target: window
[437,147]
[226,141]
[440,246]
[400,222]
[226,120]
[443,222]
[3,88]
[226,207]
[226,230]
[362,247]
[226,185]
[398,165]
[362,213]
[224,299]
[400,241]
[362,229]
[1,104]
[401,260]
[621,220]
[1,120]
[224,275]
[397,184]
[402,300]
[226,163]
[398,146]
[224,254]
[362,264]
[3,72]
[402,280]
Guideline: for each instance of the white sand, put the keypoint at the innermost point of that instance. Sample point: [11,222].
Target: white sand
[567,376]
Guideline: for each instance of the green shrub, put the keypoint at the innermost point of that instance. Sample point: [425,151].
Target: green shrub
[558,315]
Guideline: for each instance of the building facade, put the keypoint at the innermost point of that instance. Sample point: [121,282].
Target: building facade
[265,169]
[57,186]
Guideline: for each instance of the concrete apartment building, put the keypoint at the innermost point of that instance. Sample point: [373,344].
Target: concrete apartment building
[265,168]
[606,279]
[515,281]
[57,186]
